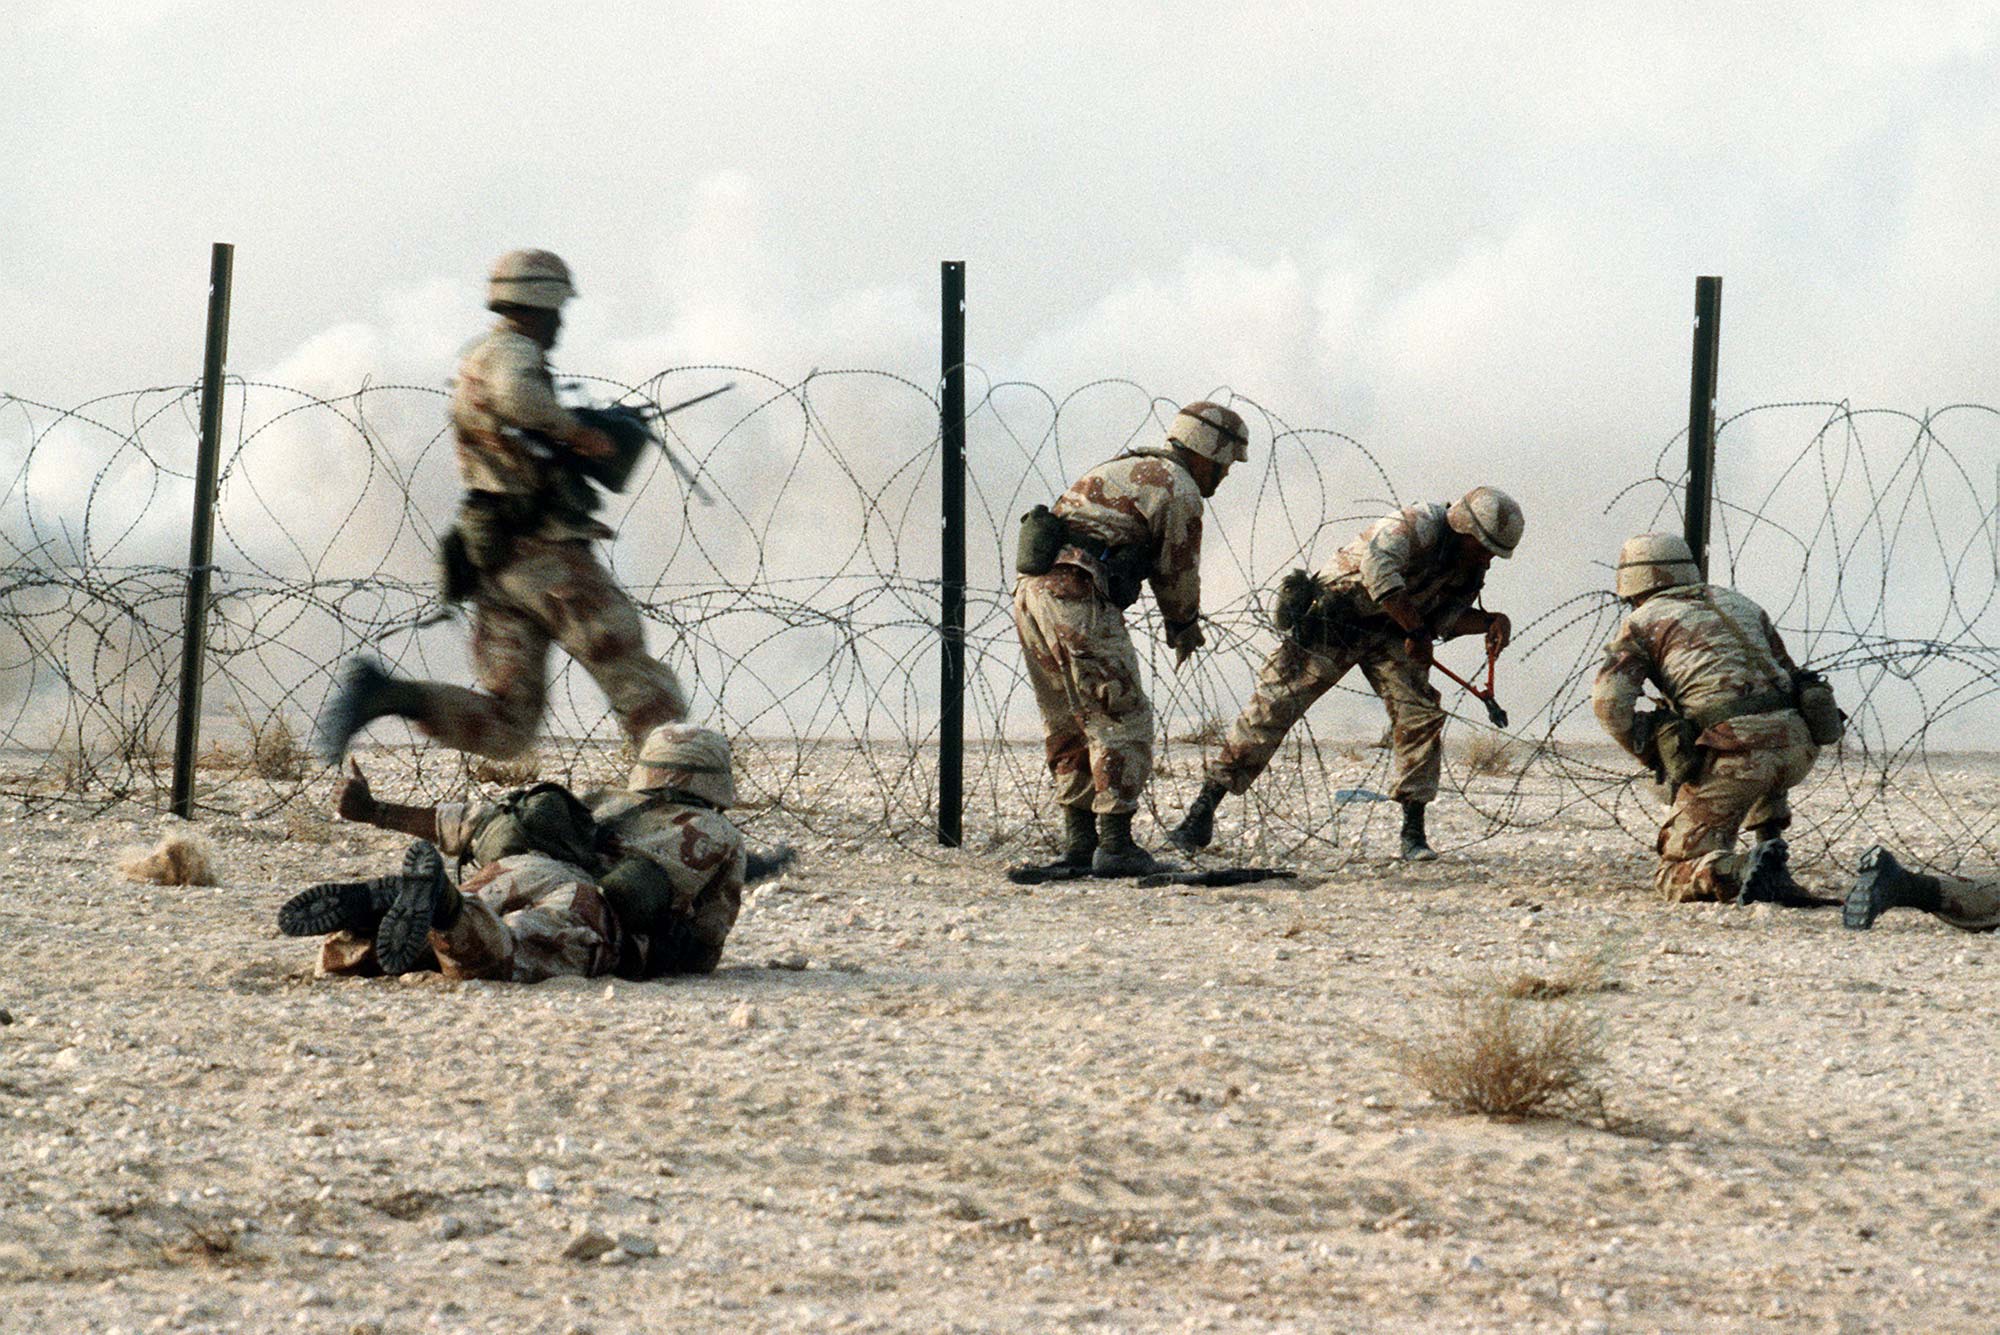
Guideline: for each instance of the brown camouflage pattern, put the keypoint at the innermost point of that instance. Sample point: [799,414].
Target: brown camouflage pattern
[1097,724]
[526,918]
[1753,762]
[1413,550]
[503,389]
[1293,678]
[1972,906]
[700,850]
[1678,641]
[1142,497]
[549,591]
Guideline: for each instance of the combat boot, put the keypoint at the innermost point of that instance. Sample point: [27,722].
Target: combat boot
[1197,827]
[1079,837]
[339,906]
[1881,884]
[427,899]
[1116,854]
[1416,848]
[366,692]
[1767,879]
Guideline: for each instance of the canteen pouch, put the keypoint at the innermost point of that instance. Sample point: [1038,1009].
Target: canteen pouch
[1824,720]
[1043,536]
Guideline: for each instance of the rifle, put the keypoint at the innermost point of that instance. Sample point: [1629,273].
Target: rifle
[630,427]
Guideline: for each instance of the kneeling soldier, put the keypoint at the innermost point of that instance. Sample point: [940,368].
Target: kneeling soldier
[641,881]
[1731,742]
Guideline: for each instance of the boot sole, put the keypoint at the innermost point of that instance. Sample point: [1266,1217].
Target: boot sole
[406,928]
[335,907]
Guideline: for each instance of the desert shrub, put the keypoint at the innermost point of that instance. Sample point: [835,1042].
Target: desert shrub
[1499,1056]
[178,859]
[516,773]
[1579,975]
[1209,732]
[1491,752]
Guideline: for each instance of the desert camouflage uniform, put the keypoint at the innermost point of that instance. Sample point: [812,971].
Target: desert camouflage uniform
[552,587]
[1679,640]
[529,916]
[1973,906]
[1412,550]
[1096,721]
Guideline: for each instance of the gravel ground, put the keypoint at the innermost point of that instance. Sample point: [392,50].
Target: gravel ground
[917,1097]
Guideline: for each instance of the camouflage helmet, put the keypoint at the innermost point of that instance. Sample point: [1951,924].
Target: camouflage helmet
[1214,432]
[1654,561]
[688,759]
[535,278]
[1490,515]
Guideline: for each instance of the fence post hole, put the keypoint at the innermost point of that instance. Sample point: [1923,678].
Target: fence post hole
[1701,418]
[201,536]
[951,680]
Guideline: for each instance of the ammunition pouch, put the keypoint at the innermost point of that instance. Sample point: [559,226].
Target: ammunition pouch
[1125,571]
[1825,722]
[640,892]
[457,576]
[1324,619]
[1043,536]
[490,521]
[546,818]
[1668,743]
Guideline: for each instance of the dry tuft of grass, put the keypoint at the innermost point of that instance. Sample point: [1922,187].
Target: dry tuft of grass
[275,752]
[307,827]
[1209,732]
[1501,1057]
[1492,752]
[179,859]
[508,773]
[1579,975]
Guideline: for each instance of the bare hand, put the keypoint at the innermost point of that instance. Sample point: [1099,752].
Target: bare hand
[1499,633]
[351,798]
[1418,647]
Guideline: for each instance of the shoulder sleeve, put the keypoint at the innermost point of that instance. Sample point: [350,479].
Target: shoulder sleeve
[458,822]
[520,391]
[1614,695]
[1385,561]
[1176,577]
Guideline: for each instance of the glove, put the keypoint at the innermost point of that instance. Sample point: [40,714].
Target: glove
[1184,640]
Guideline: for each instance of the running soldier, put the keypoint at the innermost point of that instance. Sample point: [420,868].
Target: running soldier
[521,547]
[641,881]
[1882,884]
[1730,742]
[1411,578]
[1132,521]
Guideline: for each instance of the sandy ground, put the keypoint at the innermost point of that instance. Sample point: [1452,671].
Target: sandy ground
[979,1106]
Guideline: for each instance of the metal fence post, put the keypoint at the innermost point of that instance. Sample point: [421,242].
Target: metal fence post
[951,677]
[1701,418]
[201,537]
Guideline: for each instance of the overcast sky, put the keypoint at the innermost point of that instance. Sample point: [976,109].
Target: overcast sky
[1467,237]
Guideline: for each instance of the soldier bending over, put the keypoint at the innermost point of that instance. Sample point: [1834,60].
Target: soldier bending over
[1409,579]
[1134,520]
